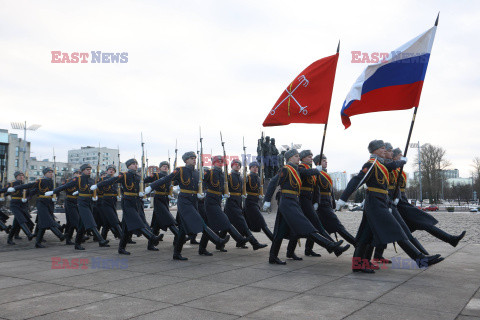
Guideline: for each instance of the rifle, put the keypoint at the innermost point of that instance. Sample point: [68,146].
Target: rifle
[170,192]
[262,169]
[169,162]
[200,167]
[97,176]
[244,186]
[24,194]
[119,188]
[142,178]
[54,173]
[225,166]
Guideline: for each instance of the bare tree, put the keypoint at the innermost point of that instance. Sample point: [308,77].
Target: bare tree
[433,162]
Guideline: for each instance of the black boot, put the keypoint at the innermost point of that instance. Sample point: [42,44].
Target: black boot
[3,227]
[446,237]
[79,238]
[151,247]
[68,236]
[212,236]
[309,249]
[454,240]
[254,242]
[359,259]
[38,242]
[178,245]
[267,232]
[419,246]
[57,232]
[101,242]
[292,244]
[123,243]
[422,260]
[10,239]
[323,242]
[27,231]
[347,236]
[17,234]
[274,249]
[118,231]
[202,248]
[174,230]
[150,236]
[293,256]
[104,232]
[378,255]
[339,250]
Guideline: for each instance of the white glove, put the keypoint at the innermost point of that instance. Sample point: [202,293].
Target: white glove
[396,201]
[119,198]
[141,194]
[49,193]
[244,196]
[261,197]
[94,198]
[11,190]
[404,159]
[94,187]
[2,199]
[171,197]
[319,168]
[315,206]
[75,193]
[226,196]
[340,204]
[24,200]
[266,206]
[200,196]
[176,190]
[148,190]
[54,200]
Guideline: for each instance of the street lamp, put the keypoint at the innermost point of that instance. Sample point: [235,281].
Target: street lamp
[23,126]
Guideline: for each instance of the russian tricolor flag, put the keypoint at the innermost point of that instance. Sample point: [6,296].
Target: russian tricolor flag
[393,84]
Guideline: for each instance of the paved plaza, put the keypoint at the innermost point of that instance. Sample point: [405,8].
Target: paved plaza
[239,283]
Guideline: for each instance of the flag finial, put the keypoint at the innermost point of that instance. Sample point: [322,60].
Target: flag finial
[338,47]
[436,21]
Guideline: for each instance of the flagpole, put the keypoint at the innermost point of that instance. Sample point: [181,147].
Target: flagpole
[326,123]
[397,187]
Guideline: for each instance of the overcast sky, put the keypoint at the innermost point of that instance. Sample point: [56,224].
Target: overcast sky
[222,65]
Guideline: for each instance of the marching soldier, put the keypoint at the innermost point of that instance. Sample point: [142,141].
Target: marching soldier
[217,220]
[71,210]
[307,195]
[162,218]
[19,208]
[233,207]
[253,216]
[132,220]
[45,205]
[378,225]
[108,206]
[417,219]
[290,218]
[326,203]
[96,209]
[190,221]
[84,204]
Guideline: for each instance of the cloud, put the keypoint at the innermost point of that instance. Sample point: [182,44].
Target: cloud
[221,65]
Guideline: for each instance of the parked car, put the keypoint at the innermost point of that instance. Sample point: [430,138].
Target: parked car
[431,208]
[473,210]
[146,203]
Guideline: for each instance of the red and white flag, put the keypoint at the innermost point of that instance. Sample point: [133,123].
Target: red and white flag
[307,98]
